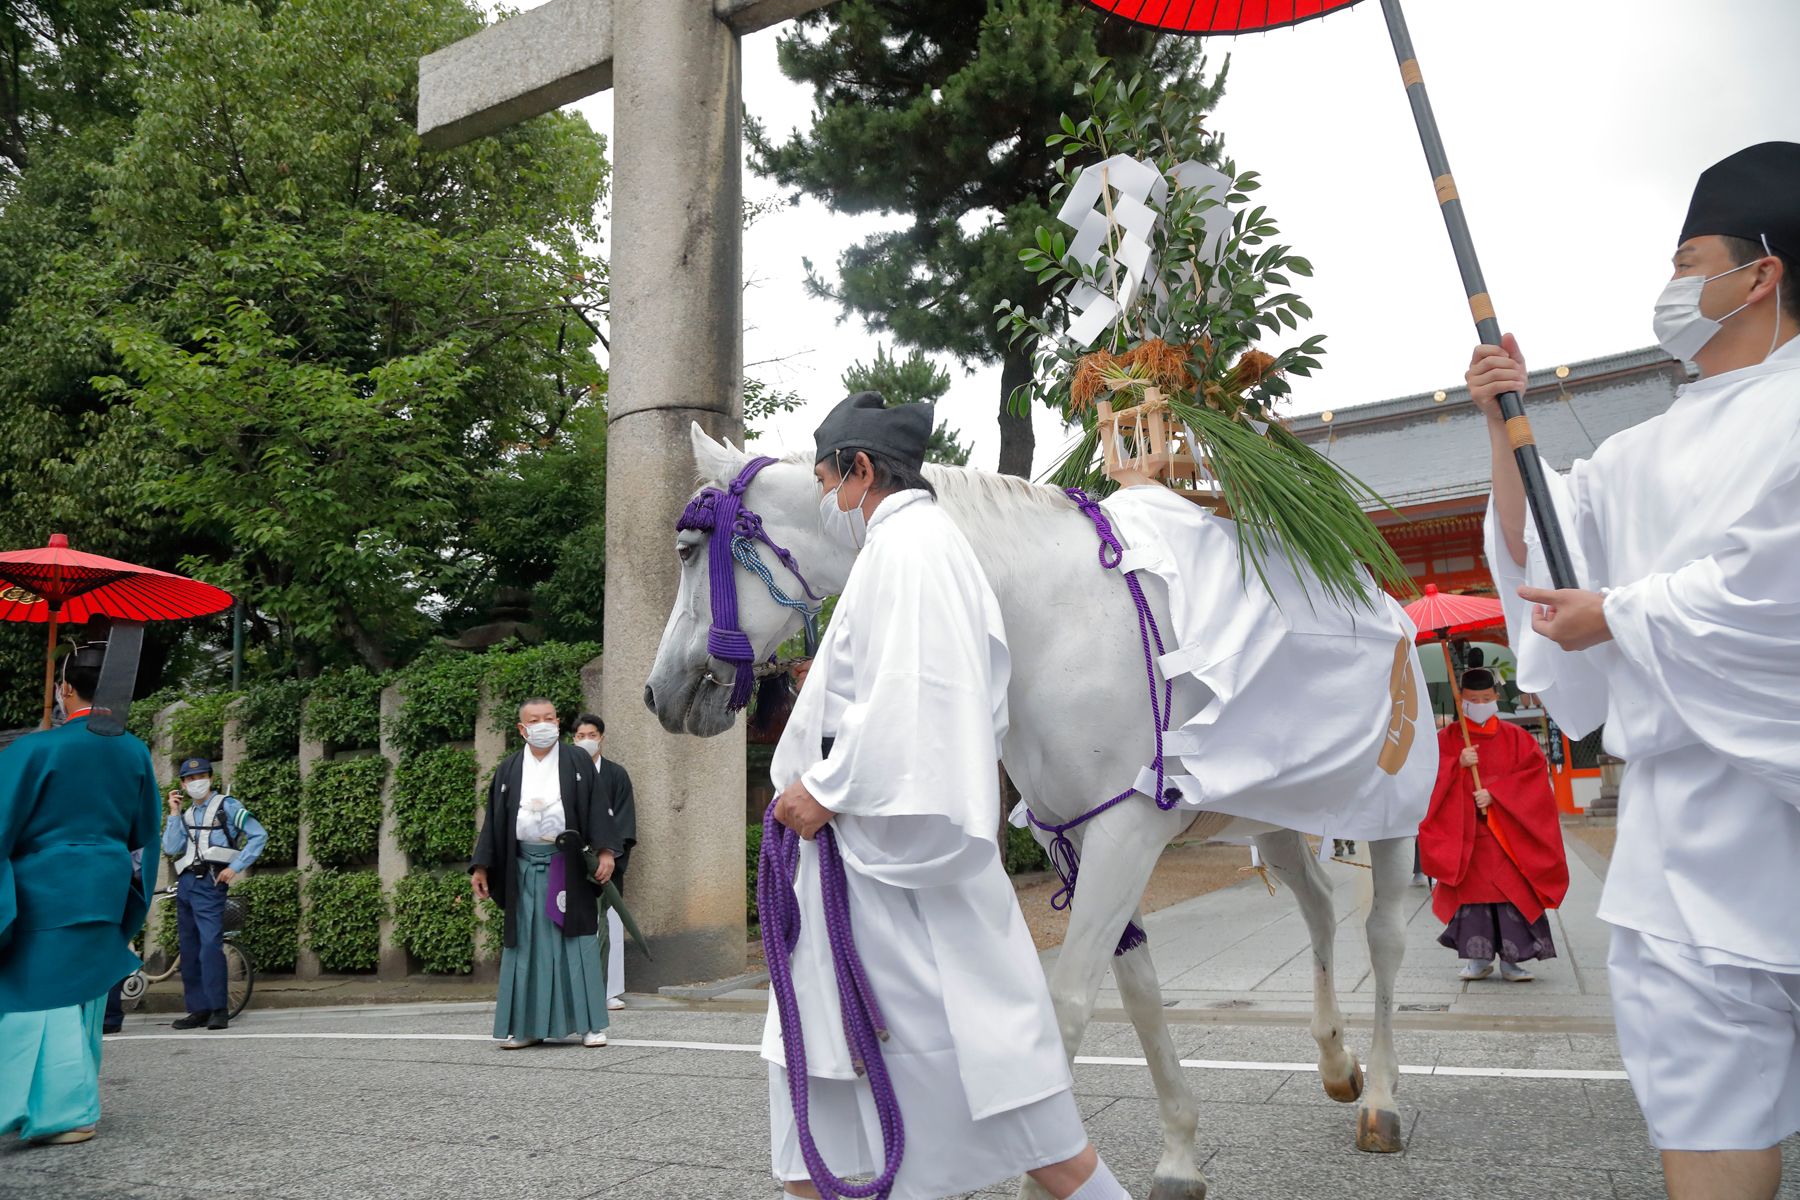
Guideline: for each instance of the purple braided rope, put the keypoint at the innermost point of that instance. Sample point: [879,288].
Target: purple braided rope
[778,909]
[721,513]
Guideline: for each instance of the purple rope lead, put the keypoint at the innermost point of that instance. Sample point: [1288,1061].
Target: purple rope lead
[1064,859]
[778,909]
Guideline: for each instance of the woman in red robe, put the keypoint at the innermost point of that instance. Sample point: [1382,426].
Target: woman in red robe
[1496,850]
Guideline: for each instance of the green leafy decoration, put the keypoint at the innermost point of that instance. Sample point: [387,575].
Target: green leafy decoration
[345,709]
[270,717]
[435,918]
[442,689]
[434,805]
[1199,317]
[342,808]
[271,790]
[271,933]
[343,922]
[552,670]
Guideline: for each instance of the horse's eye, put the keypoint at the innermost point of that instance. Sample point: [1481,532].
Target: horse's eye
[684,550]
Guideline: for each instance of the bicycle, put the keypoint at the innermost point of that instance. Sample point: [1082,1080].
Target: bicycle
[240,972]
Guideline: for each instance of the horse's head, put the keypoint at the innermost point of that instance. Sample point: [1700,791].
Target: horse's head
[690,688]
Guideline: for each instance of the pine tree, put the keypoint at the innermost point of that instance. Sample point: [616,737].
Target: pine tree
[914,379]
[926,111]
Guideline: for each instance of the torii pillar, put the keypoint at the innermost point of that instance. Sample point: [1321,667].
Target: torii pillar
[676,358]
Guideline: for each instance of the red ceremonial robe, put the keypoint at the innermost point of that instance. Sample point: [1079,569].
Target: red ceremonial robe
[1515,855]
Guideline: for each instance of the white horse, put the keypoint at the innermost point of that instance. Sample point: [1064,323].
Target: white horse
[1080,724]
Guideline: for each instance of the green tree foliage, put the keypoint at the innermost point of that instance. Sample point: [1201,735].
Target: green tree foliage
[914,379]
[342,805]
[256,332]
[269,717]
[434,805]
[938,111]
[343,926]
[197,729]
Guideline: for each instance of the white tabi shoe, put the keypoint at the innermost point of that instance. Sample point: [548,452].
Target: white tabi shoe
[594,1039]
[1516,972]
[69,1137]
[1477,969]
[615,1004]
[519,1043]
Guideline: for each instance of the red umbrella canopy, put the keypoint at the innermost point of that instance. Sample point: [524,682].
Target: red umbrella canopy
[1218,16]
[1446,614]
[81,586]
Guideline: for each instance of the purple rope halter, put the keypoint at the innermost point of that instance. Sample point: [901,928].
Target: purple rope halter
[717,512]
[864,1027]
[1064,859]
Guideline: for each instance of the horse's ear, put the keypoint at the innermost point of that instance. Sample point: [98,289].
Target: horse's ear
[716,460]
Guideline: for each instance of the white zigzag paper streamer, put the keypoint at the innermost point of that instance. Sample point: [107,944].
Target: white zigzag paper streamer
[1137,192]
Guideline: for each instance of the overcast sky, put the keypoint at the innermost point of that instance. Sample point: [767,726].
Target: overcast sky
[1575,129]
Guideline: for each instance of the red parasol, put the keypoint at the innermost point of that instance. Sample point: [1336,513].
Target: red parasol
[1202,17]
[59,585]
[1443,615]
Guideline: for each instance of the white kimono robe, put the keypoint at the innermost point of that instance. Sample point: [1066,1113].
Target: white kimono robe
[1692,520]
[910,683]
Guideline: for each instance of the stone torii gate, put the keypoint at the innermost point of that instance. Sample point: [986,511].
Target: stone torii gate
[676,357]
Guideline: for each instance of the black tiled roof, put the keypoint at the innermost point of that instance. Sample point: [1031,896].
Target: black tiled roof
[1416,450]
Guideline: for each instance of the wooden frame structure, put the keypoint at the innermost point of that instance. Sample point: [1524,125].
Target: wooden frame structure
[1145,443]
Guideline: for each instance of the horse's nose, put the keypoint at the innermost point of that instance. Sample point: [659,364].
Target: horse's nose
[649,698]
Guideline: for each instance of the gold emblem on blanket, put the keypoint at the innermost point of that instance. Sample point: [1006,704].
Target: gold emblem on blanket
[18,595]
[1403,689]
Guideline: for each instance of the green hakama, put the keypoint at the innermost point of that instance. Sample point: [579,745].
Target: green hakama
[550,985]
[50,1069]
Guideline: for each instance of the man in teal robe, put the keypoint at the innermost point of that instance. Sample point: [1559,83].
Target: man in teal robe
[73,807]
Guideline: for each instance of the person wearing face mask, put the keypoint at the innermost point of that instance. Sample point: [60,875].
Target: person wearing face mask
[213,840]
[1681,639]
[895,746]
[614,786]
[1492,839]
[544,815]
[74,806]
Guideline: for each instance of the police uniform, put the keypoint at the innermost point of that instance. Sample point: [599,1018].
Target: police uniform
[210,836]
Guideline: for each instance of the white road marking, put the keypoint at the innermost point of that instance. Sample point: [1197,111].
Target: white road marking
[1197,1064]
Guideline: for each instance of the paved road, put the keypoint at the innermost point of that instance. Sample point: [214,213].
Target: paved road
[418,1102]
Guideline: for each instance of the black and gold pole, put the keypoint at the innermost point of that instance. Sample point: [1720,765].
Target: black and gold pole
[1512,406]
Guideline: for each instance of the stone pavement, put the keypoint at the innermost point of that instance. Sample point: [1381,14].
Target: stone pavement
[414,1100]
[1244,955]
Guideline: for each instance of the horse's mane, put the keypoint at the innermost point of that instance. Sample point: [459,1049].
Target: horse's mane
[968,490]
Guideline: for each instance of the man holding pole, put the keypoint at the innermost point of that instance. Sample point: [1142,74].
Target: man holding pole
[1492,839]
[1680,635]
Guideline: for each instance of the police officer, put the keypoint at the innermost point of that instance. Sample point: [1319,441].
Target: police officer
[213,842]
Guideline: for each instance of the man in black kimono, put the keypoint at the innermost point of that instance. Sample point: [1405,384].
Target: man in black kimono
[615,793]
[544,814]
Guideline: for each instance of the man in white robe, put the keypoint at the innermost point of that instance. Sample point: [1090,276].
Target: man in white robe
[895,745]
[1684,639]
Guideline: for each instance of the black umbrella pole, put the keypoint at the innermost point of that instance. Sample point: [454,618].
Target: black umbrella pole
[1512,407]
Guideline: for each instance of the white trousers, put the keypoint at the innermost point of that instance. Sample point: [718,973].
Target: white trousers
[615,955]
[1713,1051]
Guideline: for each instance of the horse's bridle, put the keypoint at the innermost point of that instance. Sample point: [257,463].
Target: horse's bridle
[717,511]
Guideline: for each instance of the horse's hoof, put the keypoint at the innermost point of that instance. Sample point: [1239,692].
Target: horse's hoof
[1348,1090]
[1378,1131]
[1164,1188]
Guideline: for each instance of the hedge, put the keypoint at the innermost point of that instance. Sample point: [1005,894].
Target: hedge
[344,710]
[271,934]
[343,810]
[269,717]
[752,855]
[443,690]
[434,805]
[343,924]
[435,916]
[198,730]
[1023,854]
[553,670]
[271,790]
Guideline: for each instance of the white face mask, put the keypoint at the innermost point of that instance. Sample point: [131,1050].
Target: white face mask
[542,734]
[1479,713]
[197,789]
[1681,328]
[590,746]
[849,529]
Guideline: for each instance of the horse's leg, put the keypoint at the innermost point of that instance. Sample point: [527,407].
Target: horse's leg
[1378,1118]
[1178,1174]
[1286,853]
[1118,852]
